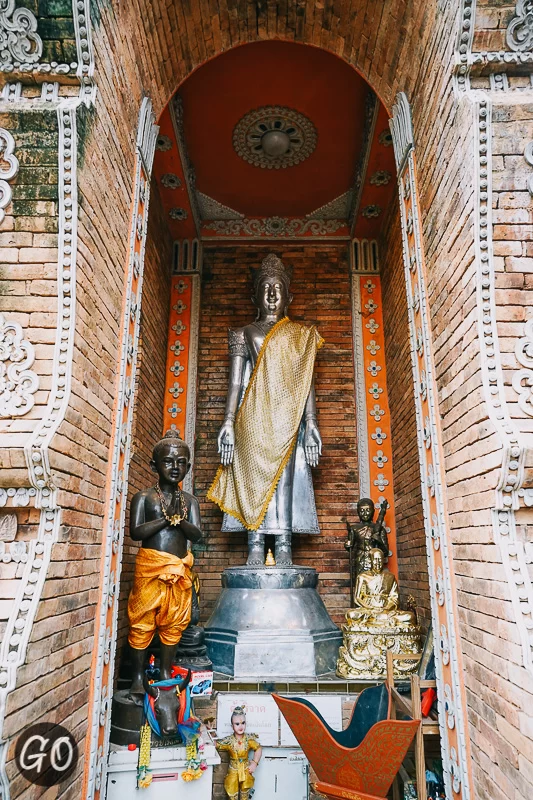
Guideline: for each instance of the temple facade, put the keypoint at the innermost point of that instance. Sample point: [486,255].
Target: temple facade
[152,153]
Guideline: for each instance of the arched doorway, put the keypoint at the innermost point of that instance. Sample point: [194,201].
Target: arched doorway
[340,200]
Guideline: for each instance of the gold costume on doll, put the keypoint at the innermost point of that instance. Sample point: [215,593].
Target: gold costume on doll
[267,422]
[161,597]
[239,776]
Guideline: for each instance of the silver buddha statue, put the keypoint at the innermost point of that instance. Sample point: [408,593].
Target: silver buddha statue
[269,439]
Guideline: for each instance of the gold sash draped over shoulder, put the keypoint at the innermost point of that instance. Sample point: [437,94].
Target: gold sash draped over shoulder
[267,422]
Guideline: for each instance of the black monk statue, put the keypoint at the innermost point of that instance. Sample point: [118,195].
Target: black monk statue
[363,537]
[163,519]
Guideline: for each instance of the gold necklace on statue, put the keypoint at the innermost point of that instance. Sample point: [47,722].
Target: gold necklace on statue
[175,519]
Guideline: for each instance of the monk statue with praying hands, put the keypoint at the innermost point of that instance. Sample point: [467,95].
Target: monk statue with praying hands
[269,438]
[164,519]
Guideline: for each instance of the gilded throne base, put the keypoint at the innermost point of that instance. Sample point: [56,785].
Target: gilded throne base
[363,654]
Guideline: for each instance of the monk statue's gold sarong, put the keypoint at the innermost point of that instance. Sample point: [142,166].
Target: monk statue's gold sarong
[161,597]
[267,422]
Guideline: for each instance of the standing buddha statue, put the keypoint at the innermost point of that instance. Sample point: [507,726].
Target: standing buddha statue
[269,438]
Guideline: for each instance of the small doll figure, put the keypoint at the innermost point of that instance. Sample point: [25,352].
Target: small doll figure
[241,769]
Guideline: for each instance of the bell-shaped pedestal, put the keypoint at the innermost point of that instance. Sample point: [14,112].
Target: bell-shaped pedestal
[270,622]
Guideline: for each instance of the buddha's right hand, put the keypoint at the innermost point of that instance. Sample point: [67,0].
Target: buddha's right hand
[226,443]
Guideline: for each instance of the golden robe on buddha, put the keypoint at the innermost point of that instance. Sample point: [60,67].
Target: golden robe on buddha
[161,598]
[267,422]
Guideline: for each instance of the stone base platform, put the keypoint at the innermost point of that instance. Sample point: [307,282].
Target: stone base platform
[271,622]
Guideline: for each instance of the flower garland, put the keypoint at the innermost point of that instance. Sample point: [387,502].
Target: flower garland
[144,774]
[196,764]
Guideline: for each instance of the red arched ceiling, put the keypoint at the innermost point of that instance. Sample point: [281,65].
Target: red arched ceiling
[306,79]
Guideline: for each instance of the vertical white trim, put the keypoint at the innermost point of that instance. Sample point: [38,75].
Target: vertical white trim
[432,476]
[36,451]
[102,678]
[359,370]
[514,445]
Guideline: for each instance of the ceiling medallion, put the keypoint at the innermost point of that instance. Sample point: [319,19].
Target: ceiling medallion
[170,181]
[274,137]
[371,211]
[163,143]
[178,213]
[385,138]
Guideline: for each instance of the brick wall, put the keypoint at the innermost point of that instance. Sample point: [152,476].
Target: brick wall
[321,296]
[28,254]
[150,382]
[491,21]
[56,29]
[410,533]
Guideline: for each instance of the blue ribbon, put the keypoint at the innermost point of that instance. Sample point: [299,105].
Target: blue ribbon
[189,727]
[148,710]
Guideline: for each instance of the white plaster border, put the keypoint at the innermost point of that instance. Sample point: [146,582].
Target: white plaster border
[364,266]
[514,446]
[360,389]
[43,493]
[456,762]
[105,644]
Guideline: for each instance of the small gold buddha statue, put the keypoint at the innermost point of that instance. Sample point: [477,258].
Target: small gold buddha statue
[376,625]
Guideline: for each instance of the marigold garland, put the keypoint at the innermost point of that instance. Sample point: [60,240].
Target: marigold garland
[196,764]
[144,774]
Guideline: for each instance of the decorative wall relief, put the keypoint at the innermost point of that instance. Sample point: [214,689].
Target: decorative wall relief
[107,608]
[18,383]
[36,449]
[8,169]
[280,227]
[463,47]
[528,155]
[19,41]
[523,379]
[8,527]
[519,35]
[450,683]
[81,11]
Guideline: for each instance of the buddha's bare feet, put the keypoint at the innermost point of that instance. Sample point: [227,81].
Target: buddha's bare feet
[256,557]
[283,550]
[256,549]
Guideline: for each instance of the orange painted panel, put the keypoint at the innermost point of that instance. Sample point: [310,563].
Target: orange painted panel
[377,404]
[178,341]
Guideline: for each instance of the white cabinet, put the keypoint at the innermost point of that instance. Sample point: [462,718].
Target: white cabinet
[283,774]
[166,764]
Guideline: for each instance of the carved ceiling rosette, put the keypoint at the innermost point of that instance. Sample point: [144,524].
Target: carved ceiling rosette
[274,137]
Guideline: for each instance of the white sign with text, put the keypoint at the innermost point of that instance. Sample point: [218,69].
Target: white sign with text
[262,716]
